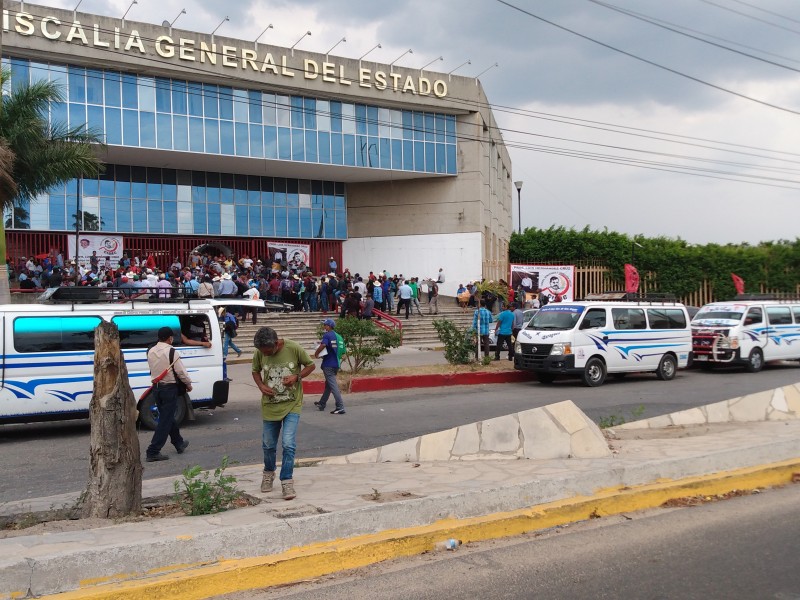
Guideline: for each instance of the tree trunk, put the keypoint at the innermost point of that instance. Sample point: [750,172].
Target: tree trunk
[115,483]
[5,288]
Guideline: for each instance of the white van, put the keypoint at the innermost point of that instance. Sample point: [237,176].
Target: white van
[47,365]
[747,332]
[593,338]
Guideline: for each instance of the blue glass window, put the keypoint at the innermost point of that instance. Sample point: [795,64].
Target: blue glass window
[337,157]
[225,103]
[155,218]
[429,128]
[113,126]
[179,97]
[441,158]
[147,94]
[451,159]
[311,113]
[298,145]
[256,141]
[311,146]
[180,132]
[199,217]
[408,155]
[214,219]
[124,215]
[242,141]
[430,157]
[324,147]
[336,116]
[210,97]
[164,125]
[57,211]
[280,221]
[139,208]
[77,115]
[305,222]
[94,86]
[170,217]
[95,118]
[241,220]
[386,152]
[267,220]
[147,129]
[419,156]
[372,120]
[408,125]
[20,72]
[77,83]
[130,92]
[58,112]
[212,136]
[195,93]
[254,213]
[270,142]
[450,129]
[254,106]
[226,136]
[397,154]
[163,95]
[112,88]
[341,224]
[241,107]
[196,135]
[108,214]
[297,111]
[440,128]
[130,127]
[361,119]
[284,143]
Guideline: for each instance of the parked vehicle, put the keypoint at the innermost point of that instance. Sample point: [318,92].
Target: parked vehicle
[748,331]
[593,338]
[47,367]
[527,315]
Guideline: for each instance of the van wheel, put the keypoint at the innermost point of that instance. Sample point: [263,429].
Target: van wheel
[755,362]
[148,412]
[545,378]
[594,374]
[667,368]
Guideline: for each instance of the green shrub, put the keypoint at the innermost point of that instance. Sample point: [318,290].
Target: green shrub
[202,495]
[459,344]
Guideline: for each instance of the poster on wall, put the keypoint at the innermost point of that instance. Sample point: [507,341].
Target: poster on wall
[290,256]
[109,249]
[557,282]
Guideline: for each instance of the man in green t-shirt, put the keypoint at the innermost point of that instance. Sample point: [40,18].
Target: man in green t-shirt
[279,366]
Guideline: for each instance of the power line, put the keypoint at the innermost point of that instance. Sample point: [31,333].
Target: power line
[647,19]
[769,12]
[650,62]
[744,14]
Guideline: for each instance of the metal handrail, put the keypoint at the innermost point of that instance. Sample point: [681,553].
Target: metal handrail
[397,324]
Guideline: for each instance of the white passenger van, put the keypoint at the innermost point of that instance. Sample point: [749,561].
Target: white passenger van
[748,331]
[47,368]
[609,335]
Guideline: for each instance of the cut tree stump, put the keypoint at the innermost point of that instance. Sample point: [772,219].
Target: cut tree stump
[115,481]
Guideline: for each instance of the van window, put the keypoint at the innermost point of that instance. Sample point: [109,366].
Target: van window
[628,318]
[54,334]
[666,318]
[796,311]
[754,316]
[141,331]
[595,317]
[779,315]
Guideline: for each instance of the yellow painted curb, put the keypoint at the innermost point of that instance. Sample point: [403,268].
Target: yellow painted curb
[315,560]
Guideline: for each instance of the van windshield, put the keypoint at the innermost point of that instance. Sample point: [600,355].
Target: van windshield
[555,318]
[718,315]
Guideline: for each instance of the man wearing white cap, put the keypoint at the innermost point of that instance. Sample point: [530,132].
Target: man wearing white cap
[332,266]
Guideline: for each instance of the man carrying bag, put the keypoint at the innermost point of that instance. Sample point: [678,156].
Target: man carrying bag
[171,382]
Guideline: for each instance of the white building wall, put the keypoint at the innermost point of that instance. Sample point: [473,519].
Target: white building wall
[459,254]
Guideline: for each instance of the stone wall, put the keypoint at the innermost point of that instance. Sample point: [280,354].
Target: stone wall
[558,430]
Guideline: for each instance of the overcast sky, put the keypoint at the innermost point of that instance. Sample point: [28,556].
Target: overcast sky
[573,109]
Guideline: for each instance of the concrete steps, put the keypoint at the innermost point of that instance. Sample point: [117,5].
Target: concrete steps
[418,331]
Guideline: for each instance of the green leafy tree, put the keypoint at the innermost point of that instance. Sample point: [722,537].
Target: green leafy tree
[365,342]
[459,343]
[44,154]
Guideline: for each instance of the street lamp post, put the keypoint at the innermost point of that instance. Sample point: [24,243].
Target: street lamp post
[519,203]
[634,244]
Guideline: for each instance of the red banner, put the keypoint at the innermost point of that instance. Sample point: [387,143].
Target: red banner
[738,283]
[631,279]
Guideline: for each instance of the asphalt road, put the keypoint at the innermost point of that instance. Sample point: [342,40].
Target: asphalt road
[737,549]
[52,458]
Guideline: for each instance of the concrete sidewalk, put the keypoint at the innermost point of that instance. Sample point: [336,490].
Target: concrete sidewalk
[348,515]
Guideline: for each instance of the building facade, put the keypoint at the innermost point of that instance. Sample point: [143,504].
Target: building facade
[211,139]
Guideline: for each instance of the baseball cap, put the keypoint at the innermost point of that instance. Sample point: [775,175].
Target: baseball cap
[330,323]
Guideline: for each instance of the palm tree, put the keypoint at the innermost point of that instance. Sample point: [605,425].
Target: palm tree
[43,154]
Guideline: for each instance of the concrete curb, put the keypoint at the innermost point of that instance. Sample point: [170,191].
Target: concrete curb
[315,560]
[398,382]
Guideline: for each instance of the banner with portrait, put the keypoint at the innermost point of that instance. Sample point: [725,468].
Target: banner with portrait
[288,255]
[557,282]
[109,249]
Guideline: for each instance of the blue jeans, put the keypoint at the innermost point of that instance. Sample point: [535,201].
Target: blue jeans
[166,397]
[269,442]
[228,342]
[331,387]
[324,301]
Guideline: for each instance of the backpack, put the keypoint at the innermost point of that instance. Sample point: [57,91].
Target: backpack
[341,349]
